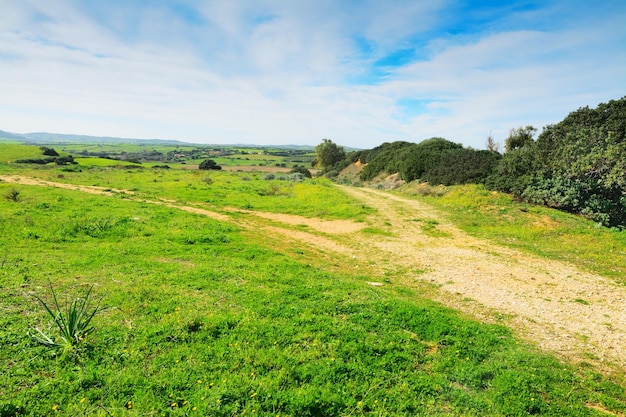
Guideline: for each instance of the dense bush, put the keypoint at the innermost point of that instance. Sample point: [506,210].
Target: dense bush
[424,157]
[48,151]
[64,160]
[301,170]
[209,164]
[435,160]
[41,161]
[462,166]
[383,158]
[577,165]
[59,160]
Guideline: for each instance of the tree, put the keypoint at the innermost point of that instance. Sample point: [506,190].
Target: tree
[209,164]
[328,154]
[492,145]
[520,137]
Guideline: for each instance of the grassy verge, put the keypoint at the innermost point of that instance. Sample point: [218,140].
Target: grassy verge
[211,320]
[217,189]
[539,230]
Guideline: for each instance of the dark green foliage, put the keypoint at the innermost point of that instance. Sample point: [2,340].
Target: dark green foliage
[48,151]
[41,161]
[514,171]
[208,164]
[578,165]
[434,160]
[64,160]
[383,158]
[462,166]
[423,157]
[10,410]
[328,154]
[301,170]
[59,160]
[519,138]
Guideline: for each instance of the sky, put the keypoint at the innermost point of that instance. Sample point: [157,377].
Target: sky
[277,72]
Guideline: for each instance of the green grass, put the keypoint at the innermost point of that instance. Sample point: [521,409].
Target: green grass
[102,162]
[122,147]
[539,230]
[11,152]
[215,320]
[311,198]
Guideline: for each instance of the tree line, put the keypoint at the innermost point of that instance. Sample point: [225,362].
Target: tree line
[577,165]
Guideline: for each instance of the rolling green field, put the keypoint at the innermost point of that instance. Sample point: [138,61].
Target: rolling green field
[210,318]
[13,151]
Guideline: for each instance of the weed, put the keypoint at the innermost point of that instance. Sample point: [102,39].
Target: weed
[74,323]
[375,231]
[13,195]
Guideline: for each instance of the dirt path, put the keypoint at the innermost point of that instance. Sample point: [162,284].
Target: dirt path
[564,310]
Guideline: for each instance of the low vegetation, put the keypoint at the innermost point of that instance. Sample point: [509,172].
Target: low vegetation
[213,319]
[72,320]
[576,165]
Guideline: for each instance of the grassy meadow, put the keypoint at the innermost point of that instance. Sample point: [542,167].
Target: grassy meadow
[208,318]
[12,151]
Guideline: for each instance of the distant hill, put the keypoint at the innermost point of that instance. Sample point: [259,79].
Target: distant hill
[11,136]
[45,138]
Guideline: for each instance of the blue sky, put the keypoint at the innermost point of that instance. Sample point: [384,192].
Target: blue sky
[293,72]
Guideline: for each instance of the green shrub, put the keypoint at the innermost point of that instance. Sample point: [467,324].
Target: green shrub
[301,170]
[462,166]
[209,164]
[577,165]
[423,157]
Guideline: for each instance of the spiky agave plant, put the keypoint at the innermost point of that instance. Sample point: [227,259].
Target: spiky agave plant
[74,322]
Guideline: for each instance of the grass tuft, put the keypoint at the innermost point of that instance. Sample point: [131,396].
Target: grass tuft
[73,322]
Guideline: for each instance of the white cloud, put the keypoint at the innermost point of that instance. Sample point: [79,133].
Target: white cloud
[275,72]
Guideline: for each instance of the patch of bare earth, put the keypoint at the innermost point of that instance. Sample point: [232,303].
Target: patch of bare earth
[562,309]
